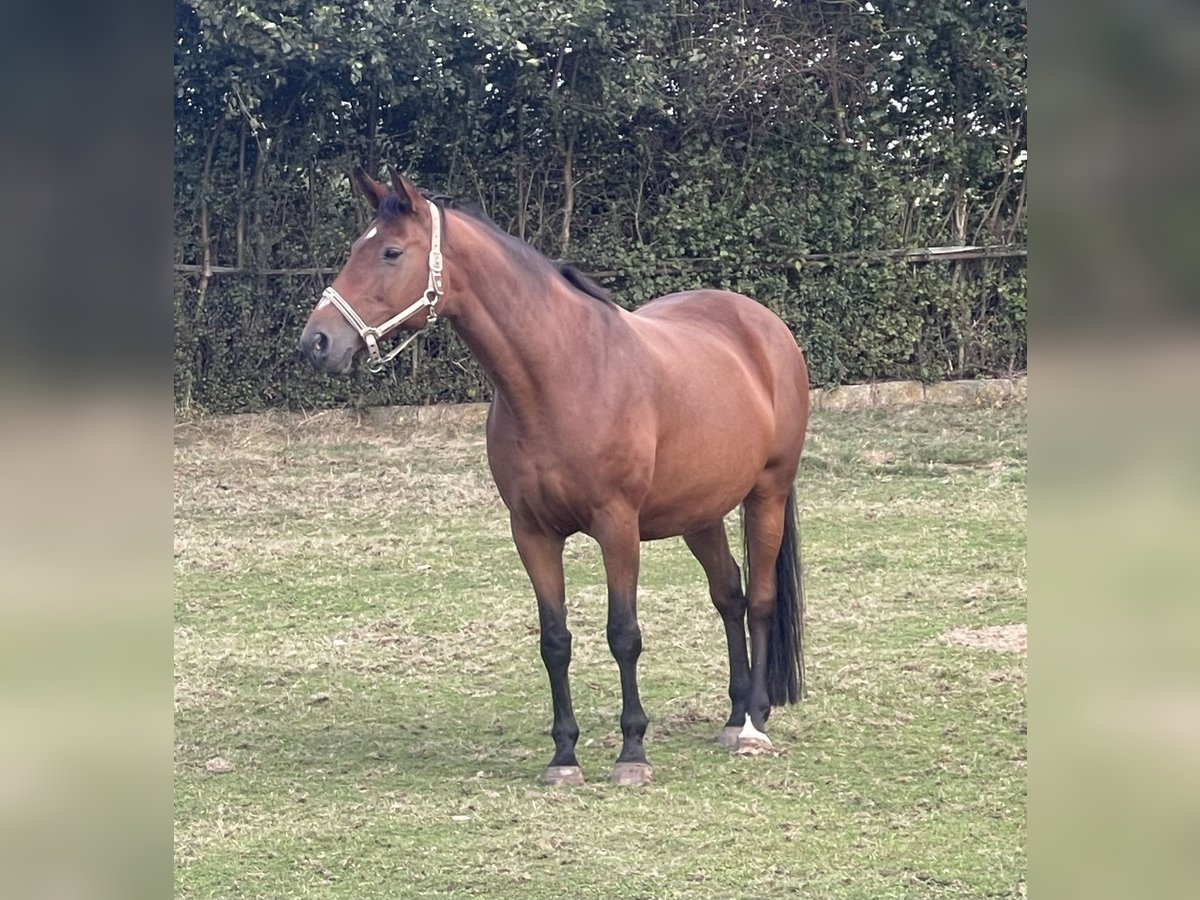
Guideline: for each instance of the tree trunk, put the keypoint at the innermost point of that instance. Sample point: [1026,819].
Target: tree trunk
[205,231]
[257,224]
[568,176]
[835,92]
[205,251]
[522,192]
[241,187]
[568,197]
[372,133]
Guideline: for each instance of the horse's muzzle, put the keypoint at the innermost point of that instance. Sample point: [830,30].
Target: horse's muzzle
[328,352]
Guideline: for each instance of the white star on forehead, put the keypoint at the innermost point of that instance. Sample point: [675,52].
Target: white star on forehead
[370,233]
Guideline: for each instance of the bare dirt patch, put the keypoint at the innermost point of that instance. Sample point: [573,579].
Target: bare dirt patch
[1001,638]
[878,457]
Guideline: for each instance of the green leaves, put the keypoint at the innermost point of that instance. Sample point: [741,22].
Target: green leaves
[709,143]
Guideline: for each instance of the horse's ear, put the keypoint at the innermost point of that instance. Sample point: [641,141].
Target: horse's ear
[410,197]
[369,187]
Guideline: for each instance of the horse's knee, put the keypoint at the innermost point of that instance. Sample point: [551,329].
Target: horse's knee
[556,648]
[624,640]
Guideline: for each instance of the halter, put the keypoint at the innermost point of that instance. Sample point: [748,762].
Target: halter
[372,335]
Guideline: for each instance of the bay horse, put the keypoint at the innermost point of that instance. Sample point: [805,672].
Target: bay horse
[625,426]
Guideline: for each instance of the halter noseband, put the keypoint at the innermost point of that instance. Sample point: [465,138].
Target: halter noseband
[372,335]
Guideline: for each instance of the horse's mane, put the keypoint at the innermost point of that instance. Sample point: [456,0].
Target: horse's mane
[390,208]
[585,284]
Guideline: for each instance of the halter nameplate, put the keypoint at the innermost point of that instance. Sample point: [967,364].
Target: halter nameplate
[373,334]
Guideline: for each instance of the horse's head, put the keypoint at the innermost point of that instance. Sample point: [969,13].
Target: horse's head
[391,281]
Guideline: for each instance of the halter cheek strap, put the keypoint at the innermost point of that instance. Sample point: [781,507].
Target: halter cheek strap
[372,335]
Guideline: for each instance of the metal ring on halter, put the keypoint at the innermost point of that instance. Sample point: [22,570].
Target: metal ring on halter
[372,335]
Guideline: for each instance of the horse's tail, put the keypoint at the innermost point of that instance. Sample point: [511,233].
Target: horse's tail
[785,647]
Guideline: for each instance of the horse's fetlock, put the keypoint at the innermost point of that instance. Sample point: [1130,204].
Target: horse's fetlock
[634,724]
[567,732]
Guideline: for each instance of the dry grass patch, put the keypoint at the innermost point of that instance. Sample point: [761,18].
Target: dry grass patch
[357,644]
[1000,638]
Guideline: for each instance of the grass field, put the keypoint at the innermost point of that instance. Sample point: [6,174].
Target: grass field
[361,710]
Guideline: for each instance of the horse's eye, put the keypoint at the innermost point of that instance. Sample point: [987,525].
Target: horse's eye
[392,253]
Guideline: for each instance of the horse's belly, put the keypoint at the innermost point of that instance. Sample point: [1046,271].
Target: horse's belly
[684,518]
[695,492]
[711,453]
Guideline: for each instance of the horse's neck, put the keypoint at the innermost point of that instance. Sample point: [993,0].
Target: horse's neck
[526,326]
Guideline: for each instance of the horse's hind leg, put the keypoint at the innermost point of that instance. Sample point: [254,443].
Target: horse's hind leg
[711,547]
[765,518]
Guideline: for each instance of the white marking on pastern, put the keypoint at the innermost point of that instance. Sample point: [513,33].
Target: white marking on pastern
[750,733]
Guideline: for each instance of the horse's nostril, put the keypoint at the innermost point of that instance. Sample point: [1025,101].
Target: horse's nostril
[315,345]
[318,345]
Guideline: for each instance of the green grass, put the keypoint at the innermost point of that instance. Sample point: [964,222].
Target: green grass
[355,634]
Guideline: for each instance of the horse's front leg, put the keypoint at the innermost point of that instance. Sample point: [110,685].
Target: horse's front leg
[542,556]
[621,547]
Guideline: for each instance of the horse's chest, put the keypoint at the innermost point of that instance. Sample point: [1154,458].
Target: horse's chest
[536,492]
[559,484]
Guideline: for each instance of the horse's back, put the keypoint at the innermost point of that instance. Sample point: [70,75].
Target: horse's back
[706,305]
[713,327]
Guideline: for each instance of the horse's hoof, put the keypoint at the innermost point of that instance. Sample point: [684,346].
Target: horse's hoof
[727,737]
[634,773]
[751,741]
[555,775]
[753,746]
